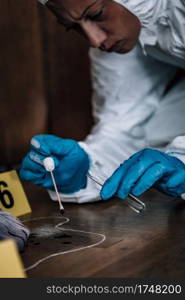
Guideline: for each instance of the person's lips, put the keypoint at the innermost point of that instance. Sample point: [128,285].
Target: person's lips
[118,46]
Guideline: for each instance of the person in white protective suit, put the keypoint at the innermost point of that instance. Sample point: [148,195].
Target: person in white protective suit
[137,46]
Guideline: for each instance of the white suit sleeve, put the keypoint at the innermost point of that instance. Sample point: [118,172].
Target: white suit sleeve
[177,148]
[126,92]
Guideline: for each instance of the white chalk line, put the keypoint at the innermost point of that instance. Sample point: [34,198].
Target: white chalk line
[103,238]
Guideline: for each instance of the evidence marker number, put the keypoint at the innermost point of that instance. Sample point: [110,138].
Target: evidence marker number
[12,196]
[6,197]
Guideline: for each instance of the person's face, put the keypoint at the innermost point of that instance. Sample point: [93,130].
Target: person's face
[106,24]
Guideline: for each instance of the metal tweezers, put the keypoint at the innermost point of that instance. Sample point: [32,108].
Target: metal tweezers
[133,202]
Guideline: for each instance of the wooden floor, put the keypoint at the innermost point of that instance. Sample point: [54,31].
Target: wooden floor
[148,245]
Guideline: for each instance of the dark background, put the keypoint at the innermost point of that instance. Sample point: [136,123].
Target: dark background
[44,79]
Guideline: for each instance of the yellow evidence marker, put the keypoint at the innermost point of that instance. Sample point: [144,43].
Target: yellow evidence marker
[12,196]
[10,263]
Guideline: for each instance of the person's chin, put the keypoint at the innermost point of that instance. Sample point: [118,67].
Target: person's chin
[121,47]
[125,49]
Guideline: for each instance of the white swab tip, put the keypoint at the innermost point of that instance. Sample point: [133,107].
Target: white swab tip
[49,164]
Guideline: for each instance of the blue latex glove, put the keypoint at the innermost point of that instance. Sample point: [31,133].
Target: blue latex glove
[143,170]
[71,163]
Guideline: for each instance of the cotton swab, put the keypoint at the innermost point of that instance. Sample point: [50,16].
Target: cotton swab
[50,166]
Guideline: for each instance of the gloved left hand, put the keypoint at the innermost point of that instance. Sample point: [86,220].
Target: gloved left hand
[71,163]
[143,170]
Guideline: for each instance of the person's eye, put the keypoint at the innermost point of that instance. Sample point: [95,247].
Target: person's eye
[96,17]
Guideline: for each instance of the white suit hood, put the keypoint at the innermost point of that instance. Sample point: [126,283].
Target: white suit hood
[145,10]
[148,12]
[163,26]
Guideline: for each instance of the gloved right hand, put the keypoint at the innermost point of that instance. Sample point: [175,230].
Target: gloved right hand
[71,163]
[144,169]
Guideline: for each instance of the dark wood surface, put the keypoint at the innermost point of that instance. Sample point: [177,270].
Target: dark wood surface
[148,245]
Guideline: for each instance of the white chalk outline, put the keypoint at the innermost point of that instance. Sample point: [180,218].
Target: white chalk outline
[63,252]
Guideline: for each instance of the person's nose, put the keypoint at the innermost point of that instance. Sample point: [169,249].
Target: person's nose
[94,34]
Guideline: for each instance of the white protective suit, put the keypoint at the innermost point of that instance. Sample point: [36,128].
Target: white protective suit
[130,106]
